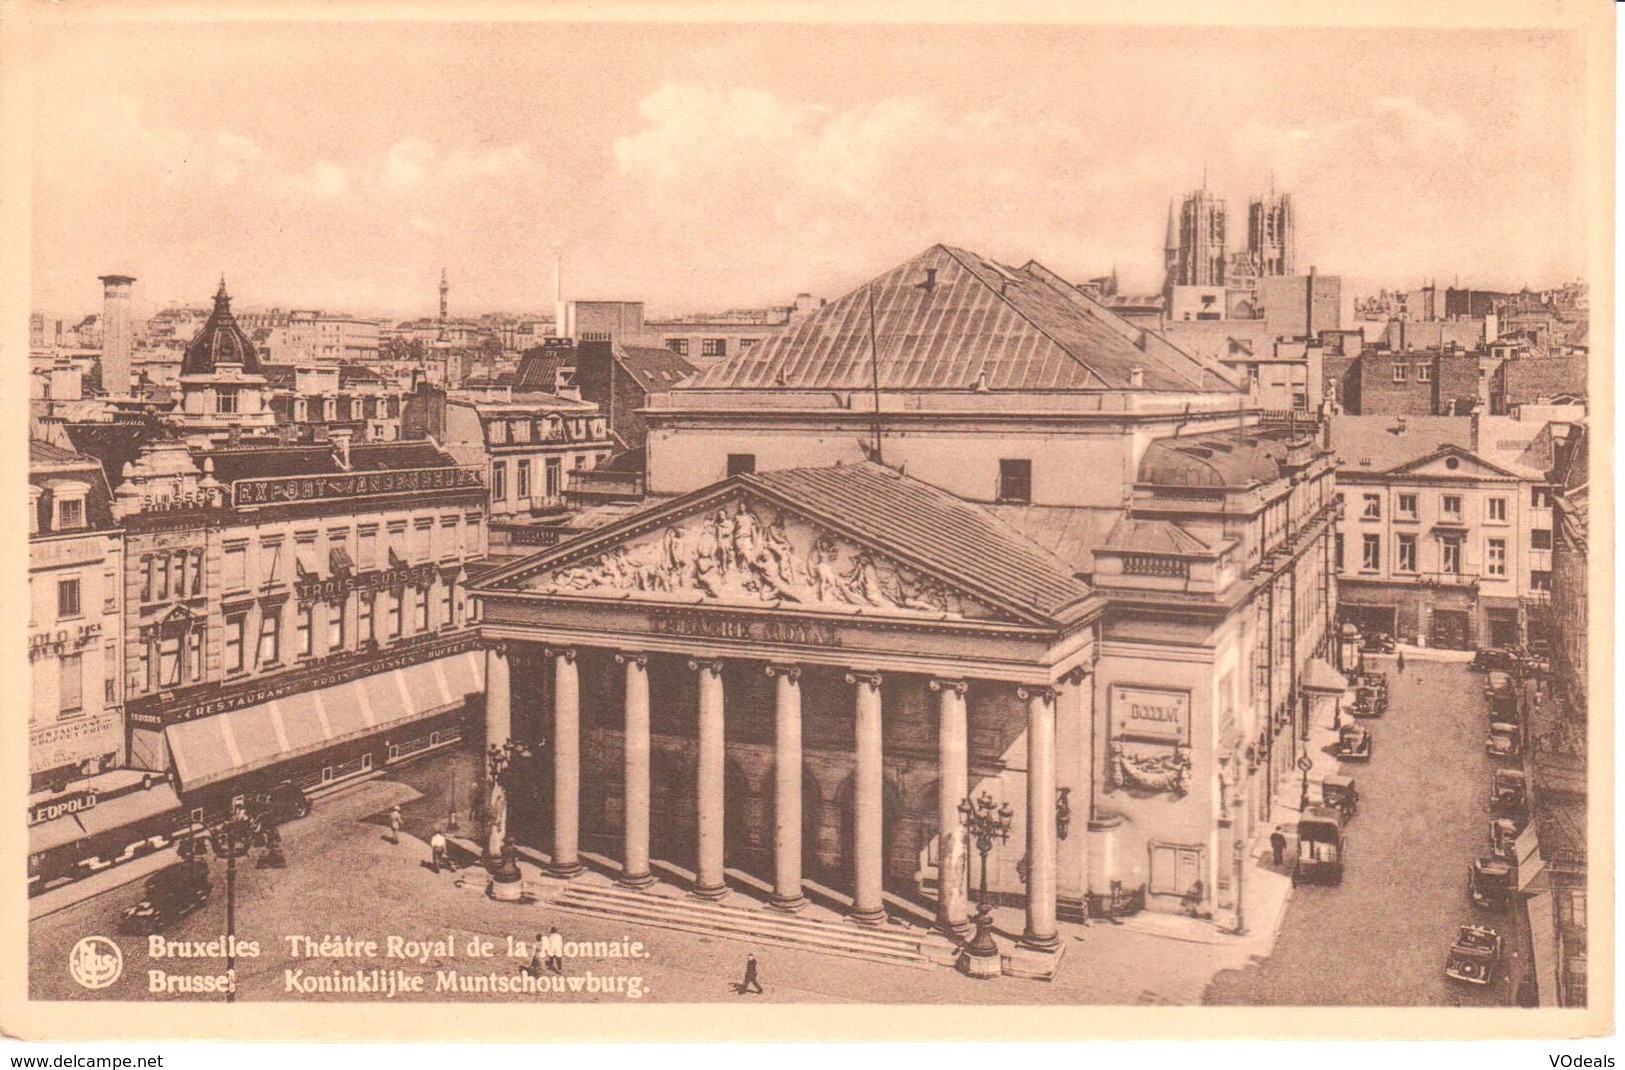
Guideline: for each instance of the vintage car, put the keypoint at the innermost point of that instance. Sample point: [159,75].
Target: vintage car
[1353,744]
[1369,702]
[1505,741]
[1474,956]
[1376,642]
[1509,794]
[1496,658]
[1490,882]
[1502,696]
[285,802]
[1320,847]
[170,894]
[1503,838]
[1339,795]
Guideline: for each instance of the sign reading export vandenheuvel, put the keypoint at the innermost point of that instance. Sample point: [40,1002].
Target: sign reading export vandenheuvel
[288,490]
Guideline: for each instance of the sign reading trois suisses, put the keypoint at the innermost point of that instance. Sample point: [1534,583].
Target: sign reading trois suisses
[285,490]
[1151,714]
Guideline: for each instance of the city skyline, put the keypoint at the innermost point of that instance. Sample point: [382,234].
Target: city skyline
[701,168]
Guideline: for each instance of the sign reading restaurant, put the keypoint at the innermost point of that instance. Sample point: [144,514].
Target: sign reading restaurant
[1151,714]
[154,712]
[285,490]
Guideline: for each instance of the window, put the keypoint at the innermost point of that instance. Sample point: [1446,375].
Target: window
[1424,373]
[522,479]
[1496,509]
[110,668]
[71,668]
[70,513]
[169,658]
[149,576]
[678,346]
[450,543]
[713,347]
[1372,507]
[270,651]
[1407,505]
[366,548]
[420,539]
[1450,505]
[448,603]
[234,570]
[397,614]
[1407,554]
[1015,480]
[303,632]
[236,632]
[335,627]
[521,431]
[197,572]
[1540,497]
[1540,539]
[499,481]
[1401,372]
[554,474]
[1337,552]
[473,536]
[163,577]
[363,618]
[1450,556]
[741,464]
[67,598]
[498,431]
[271,561]
[1370,553]
[1495,557]
[225,398]
[422,608]
[1540,581]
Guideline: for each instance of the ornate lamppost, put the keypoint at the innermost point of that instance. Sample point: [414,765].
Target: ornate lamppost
[231,840]
[501,858]
[985,821]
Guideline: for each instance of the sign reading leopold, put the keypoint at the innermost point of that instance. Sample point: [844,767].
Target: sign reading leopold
[1151,714]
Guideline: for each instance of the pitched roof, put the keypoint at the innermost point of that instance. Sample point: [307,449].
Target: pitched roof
[655,368]
[1380,443]
[1154,537]
[951,320]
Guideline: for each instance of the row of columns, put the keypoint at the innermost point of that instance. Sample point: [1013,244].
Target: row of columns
[868,906]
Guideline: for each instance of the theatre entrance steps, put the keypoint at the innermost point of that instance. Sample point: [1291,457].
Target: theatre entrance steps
[746,918]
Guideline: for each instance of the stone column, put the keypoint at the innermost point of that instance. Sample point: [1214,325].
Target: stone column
[635,860]
[566,764]
[868,803]
[1041,932]
[787,790]
[498,704]
[709,882]
[953,761]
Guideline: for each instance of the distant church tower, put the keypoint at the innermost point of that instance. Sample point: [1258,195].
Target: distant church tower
[445,290]
[1271,235]
[1170,251]
[1200,259]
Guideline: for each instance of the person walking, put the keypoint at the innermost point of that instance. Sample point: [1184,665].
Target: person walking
[538,962]
[1278,845]
[1401,661]
[555,950]
[750,983]
[395,825]
[437,850]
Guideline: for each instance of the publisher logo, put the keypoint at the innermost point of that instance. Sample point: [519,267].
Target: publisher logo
[95,962]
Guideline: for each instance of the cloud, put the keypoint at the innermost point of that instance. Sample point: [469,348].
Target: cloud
[413,164]
[323,179]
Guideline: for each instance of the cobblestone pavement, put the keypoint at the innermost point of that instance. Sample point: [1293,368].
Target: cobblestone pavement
[1381,937]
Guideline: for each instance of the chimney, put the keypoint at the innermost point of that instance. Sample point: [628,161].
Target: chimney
[559,327]
[116,334]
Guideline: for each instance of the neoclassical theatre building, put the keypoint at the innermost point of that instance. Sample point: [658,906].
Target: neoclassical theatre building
[961,531]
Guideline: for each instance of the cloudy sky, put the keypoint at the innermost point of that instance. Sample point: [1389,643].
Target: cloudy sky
[696,168]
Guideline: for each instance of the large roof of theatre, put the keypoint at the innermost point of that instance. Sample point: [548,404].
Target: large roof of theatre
[952,320]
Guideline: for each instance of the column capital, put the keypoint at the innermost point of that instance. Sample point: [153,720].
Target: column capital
[873,679]
[640,658]
[1043,692]
[939,684]
[1076,675]
[711,665]
[789,672]
[499,647]
[568,653]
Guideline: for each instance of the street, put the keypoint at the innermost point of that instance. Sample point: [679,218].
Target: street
[1382,936]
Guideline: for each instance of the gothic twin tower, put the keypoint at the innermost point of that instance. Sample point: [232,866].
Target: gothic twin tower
[1195,252]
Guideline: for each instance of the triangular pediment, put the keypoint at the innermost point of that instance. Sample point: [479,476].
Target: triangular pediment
[1453,462]
[740,549]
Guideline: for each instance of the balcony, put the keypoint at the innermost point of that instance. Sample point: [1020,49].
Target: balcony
[600,483]
[1446,579]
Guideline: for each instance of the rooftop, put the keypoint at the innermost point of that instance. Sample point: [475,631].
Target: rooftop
[1379,443]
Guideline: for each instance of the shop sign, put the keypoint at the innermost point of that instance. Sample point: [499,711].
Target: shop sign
[73,741]
[77,803]
[51,553]
[176,503]
[156,711]
[366,582]
[62,640]
[1150,714]
[250,493]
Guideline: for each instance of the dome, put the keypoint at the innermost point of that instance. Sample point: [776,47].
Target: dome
[220,341]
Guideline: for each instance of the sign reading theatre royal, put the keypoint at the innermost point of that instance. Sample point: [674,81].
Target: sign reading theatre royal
[248,493]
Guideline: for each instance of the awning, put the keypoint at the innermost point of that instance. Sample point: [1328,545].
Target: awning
[1526,851]
[216,748]
[1321,678]
[130,809]
[55,833]
[338,559]
[1543,945]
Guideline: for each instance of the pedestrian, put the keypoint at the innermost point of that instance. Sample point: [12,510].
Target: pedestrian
[750,983]
[1401,661]
[1193,899]
[395,825]
[1278,845]
[555,950]
[537,963]
[437,850]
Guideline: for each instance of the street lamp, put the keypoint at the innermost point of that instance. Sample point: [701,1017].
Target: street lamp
[500,857]
[985,821]
[231,840]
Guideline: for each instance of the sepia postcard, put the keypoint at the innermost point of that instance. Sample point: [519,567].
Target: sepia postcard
[603,521]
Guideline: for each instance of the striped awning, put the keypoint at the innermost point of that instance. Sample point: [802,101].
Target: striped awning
[211,749]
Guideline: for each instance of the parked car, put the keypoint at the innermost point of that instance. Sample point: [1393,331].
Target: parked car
[1497,658]
[1353,743]
[1509,793]
[1474,956]
[1339,795]
[285,802]
[1503,838]
[1490,882]
[1320,847]
[1505,741]
[170,894]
